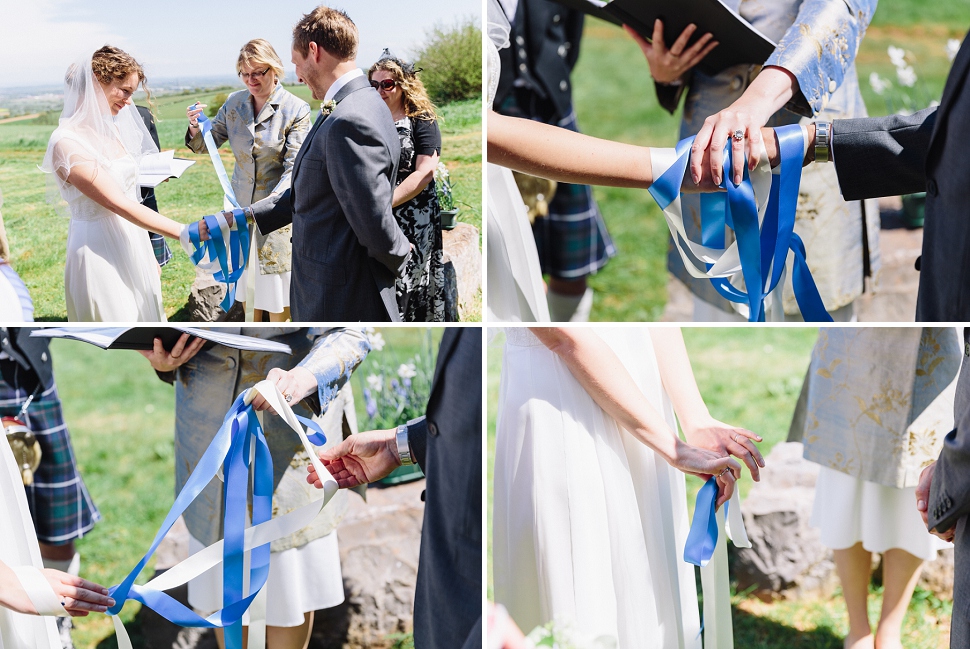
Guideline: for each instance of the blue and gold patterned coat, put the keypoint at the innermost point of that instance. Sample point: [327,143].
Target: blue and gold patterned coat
[817,42]
[205,388]
[878,401]
[265,147]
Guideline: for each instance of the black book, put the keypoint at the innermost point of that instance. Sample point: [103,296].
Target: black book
[739,42]
[143,338]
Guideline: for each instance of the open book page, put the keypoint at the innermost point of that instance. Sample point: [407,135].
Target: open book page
[159,167]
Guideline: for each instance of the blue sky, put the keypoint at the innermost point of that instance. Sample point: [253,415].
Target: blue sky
[39,38]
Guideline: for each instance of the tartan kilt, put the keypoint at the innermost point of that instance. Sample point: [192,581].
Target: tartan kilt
[572,241]
[60,505]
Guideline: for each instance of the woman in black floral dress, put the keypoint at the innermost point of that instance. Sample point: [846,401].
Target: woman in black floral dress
[421,291]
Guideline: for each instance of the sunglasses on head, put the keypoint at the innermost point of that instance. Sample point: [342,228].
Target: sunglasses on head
[385,85]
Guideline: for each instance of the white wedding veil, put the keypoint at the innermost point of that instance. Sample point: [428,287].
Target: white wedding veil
[498,28]
[87,133]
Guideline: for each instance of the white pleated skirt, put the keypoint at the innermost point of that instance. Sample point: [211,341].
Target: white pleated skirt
[848,510]
[303,579]
[589,523]
[272,291]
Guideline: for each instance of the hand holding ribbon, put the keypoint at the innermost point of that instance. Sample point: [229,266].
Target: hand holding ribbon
[295,385]
[704,463]
[223,240]
[703,535]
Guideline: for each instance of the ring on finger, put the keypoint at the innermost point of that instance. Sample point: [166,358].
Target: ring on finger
[723,471]
[288,397]
[738,134]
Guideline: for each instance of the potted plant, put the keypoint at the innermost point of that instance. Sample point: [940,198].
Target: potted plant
[446,198]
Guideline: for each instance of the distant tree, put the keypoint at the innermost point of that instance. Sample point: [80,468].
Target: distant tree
[451,61]
[216,104]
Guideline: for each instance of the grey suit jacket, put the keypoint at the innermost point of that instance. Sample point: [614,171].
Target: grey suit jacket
[447,444]
[949,502]
[926,151]
[347,246]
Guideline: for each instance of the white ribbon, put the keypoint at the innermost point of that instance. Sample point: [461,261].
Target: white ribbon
[715,582]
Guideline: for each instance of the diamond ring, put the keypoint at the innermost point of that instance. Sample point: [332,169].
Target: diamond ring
[738,134]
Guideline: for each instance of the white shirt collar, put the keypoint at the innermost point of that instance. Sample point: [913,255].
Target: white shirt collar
[341,82]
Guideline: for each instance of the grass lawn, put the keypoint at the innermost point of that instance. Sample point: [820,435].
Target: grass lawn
[121,427]
[38,234]
[618,102]
[751,377]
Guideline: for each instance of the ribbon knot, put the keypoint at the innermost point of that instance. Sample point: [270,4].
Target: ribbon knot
[761,212]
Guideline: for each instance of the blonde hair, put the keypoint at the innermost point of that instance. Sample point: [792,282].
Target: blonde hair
[330,29]
[258,53]
[113,64]
[416,101]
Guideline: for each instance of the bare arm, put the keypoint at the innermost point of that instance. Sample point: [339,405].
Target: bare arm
[565,156]
[99,187]
[417,180]
[604,377]
[700,428]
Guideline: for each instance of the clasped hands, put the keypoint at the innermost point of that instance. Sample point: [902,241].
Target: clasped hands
[204,227]
[710,445]
[923,502]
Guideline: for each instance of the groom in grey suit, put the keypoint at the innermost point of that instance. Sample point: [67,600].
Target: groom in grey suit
[347,247]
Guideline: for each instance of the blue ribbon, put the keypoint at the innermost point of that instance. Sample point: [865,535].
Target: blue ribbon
[239,445]
[702,538]
[232,256]
[762,251]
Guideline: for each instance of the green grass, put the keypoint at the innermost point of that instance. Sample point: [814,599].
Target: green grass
[121,419]
[38,234]
[618,102]
[751,377]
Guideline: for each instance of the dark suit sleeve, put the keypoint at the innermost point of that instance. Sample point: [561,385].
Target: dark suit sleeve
[357,163]
[668,96]
[950,490]
[273,212]
[882,156]
[418,440]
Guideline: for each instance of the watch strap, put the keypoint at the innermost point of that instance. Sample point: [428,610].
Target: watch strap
[823,142]
[403,448]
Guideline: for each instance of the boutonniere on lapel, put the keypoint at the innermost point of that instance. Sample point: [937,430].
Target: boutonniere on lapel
[327,107]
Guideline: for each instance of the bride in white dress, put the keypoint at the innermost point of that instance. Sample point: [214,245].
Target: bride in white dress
[93,156]
[27,590]
[590,511]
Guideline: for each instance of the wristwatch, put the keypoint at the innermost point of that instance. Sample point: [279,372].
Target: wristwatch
[403,448]
[823,142]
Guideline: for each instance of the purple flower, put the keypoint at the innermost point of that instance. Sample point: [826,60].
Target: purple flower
[407,383]
[370,404]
